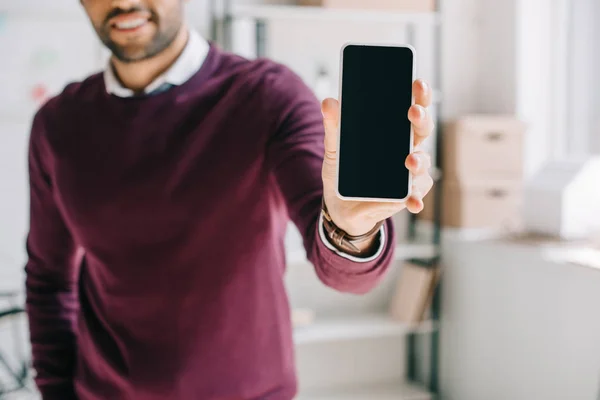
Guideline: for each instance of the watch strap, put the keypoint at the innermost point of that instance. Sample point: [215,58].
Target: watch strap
[341,239]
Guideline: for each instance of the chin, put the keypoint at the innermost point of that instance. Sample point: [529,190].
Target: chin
[129,58]
[131,53]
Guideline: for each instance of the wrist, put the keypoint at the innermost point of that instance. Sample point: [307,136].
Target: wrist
[363,245]
[369,246]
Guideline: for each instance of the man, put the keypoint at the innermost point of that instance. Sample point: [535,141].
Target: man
[160,194]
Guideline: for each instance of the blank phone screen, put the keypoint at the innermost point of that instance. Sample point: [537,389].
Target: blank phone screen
[374,127]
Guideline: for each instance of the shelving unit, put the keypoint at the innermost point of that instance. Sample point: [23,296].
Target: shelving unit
[270,12]
[403,252]
[356,327]
[364,328]
[382,392]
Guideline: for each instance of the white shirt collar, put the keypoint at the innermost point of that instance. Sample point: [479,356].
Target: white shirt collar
[186,65]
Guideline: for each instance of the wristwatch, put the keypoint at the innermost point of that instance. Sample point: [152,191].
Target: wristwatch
[342,240]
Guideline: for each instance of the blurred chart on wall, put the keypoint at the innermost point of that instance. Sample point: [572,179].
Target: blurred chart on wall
[42,53]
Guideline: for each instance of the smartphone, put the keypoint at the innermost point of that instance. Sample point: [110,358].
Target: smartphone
[375,134]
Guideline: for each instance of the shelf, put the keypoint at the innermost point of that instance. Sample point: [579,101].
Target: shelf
[270,12]
[384,392]
[355,328]
[403,251]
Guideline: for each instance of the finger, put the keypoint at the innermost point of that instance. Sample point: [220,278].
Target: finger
[421,187]
[418,163]
[422,93]
[421,121]
[331,117]
[415,203]
[422,184]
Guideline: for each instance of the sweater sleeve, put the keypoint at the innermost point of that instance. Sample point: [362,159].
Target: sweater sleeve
[51,282]
[295,155]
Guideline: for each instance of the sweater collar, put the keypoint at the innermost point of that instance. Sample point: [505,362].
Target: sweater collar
[187,64]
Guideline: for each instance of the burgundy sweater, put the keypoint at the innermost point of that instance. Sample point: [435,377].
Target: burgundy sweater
[156,255]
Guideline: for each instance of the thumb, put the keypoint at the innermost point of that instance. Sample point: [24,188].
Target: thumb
[331,118]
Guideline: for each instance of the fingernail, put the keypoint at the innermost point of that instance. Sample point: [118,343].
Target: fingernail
[421,112]
[418,205]
[421,206]
[417,162]
[424,85]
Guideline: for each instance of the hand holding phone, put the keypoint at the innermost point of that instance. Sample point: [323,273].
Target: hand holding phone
[370,170]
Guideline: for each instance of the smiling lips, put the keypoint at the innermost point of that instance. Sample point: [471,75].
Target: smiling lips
[129,22]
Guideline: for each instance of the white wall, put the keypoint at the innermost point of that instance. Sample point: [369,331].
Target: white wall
[13,201]
[461,57]
[534,65]
[584,83]
[596,83]
[497,78]
[517,326]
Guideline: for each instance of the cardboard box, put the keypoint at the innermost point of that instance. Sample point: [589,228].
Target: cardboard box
[414,291]
[480,204]
[483,147]
[394,5]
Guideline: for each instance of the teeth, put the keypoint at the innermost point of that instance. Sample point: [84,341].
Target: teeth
[132,24]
